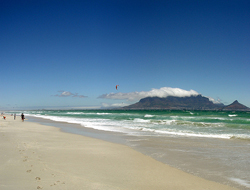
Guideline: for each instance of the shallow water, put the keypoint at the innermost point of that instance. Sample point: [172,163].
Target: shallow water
[209,124]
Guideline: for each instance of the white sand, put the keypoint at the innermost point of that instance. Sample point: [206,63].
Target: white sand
[34,156]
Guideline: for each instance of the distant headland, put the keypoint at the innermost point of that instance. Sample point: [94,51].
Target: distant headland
[198,102]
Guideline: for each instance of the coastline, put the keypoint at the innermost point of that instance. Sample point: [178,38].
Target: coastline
[35,156]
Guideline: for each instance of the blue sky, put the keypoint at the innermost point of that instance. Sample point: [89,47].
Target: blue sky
[62,53]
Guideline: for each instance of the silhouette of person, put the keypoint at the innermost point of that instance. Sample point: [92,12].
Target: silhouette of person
[22,116]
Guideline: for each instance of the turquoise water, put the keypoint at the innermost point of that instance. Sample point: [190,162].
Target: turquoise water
[210,144]
[204,124]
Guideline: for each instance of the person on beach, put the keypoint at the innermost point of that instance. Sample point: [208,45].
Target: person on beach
[14,116]
[4,117]
[22,116]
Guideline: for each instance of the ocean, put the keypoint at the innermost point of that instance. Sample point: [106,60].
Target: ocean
[214,145]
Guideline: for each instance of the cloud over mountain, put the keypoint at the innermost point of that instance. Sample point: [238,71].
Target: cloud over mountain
[162,93]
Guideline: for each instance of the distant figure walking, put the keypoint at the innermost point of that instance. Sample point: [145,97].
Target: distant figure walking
[22,116]
[14,116]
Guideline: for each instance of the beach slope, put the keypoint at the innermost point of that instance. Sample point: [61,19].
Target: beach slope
[34,156]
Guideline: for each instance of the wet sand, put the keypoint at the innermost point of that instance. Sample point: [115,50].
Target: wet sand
[34,156]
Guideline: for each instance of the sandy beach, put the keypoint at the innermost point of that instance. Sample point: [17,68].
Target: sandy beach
[35,156]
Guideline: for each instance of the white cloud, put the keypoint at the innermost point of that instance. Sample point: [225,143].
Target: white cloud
[115,105]
[218,101]
[65,93]
[69,94]
[162,93]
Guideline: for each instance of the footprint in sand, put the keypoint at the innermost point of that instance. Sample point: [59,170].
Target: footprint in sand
[38,187]
[57,182]
[38,178]
[28,171]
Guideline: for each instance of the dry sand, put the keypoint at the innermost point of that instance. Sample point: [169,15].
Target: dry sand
[34,156]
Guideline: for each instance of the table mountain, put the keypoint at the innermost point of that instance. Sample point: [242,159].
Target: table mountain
[198,102]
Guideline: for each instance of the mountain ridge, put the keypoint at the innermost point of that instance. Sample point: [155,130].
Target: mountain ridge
[198,102]
[235,106]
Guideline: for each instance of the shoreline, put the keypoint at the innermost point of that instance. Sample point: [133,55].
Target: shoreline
[35,156]
[210,159]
